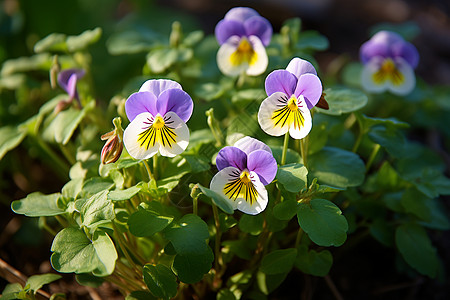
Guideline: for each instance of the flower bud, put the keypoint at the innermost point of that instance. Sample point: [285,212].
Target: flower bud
[113,147]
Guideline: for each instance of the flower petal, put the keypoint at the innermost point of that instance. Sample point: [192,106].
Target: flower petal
[157,86]
[408,79]
[231,157]
[64,78]
[310,87]
[260,27]
[250,198]
[177,101]
[175,137]
[264,164]
[298,67]
[301,130]
[249,144]
[266,112]
[240,14]
[367,76]
[140,102]
[227,28]
[406,51]
[280,81]
[258,65]
[131,137]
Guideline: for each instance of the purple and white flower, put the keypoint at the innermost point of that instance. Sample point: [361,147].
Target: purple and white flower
[158,113]
[291,94]
[243,35]
[389,63]
[244,171]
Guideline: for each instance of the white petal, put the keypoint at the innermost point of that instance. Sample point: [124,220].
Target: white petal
[302,131]
[157,86]
[409,79]
[259,65]
[136,148]
[230,174]
[229,65]
[249,144]
[367,81]
[266,112]
[173,148]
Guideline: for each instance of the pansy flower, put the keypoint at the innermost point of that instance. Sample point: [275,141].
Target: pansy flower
[244,171]
[389,63]
[67,80]
[158,113]
[243,35]
[291,94]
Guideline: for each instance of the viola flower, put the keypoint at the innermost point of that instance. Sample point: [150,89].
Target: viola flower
[389,63]
[243,35]
[244,171]
[158,113]
[291,94]
[67,80]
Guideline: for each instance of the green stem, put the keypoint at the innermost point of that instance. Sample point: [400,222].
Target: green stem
[62,221]
[125,250]
[217,254]
[149,172]
[299,237]
[195,206]
[67,154]
[372,156]
[155,166]
[304,151]
[358,141]
[62,167]
[285,147]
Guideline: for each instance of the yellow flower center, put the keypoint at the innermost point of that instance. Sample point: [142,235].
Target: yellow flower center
[292,104]
[288,115]
[158,123]
[244,53]
[245,177]
[241,186]
[158,132]
[388,71]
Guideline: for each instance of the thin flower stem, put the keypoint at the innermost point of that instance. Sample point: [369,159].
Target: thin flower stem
[62,221]
[217,254]
[358,141]
[299,237]
[125,250]
[62,167]
[304,151]
[285,147]
[372,156]
[149,172]
[155,166]
[195,205]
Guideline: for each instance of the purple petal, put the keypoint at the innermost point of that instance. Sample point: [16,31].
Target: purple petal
[259,27]
[249,144]
[298,67]
[406,51]
[240,14]
[386,37]
[227,28]
[280,81]
[72,86]
[231,157]
[310,87]
[177,101]
[262,163]
[65,75]
[157,86]
[140,102]
[372,49]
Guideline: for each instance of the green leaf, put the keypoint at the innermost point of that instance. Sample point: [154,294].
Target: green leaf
[268,283]
[120,195]
[52,42]
[239,247]
[87,279]
[35,282]
[160,280]
[292,177]
[146,223]
[225,294]
[312,39]
[323,222]
[97,210]
[73,251]
[38,205]
[218,200]
[191,267]
[416,203]
[251,224]
[313,262]
[72,188]
[95,185]
[343,100]
[439,216]
[10,138]
[188,235]
[415,246]
[278,261]
[40,61]
[209,91]
[286,210]
[337,167]
[382,232]
[291,156]
[80,42]
[140,295]
[391,139]
[160,59]
[248,95]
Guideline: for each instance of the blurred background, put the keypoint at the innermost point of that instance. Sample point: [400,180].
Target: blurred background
[346,24]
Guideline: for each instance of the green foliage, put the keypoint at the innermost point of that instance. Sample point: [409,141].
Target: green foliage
[278,261]
[160,281]
[38,205]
